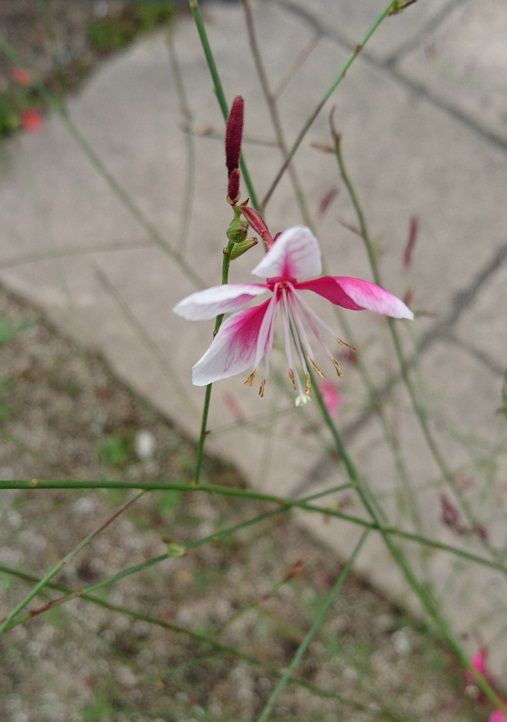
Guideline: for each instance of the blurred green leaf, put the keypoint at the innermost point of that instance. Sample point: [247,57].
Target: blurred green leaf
[7,330]
[167,501]
[114,450]
[98,710]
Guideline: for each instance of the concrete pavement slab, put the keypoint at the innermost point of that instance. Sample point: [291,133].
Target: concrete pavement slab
[463,63]
[348,21]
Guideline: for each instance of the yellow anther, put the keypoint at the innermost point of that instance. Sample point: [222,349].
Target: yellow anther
[292,378]
[261,388]
[347,345]
[337,366]
[250,379]
[317,369]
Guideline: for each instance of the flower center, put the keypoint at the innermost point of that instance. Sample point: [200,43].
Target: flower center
[277,283]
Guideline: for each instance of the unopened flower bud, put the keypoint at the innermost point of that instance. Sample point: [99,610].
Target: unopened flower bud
[242,247]
[233,187]
[236,233]
[258,224]
[233,135]
[400,5]
[411,239]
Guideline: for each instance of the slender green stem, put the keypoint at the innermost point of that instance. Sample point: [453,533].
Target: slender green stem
[317,623]
[277,126]
[199,454]
[426,599]
[136,568]
[121,193]
[255,495]
[199,637]
[65,560]
[219,90]
[313,115]
[273,110]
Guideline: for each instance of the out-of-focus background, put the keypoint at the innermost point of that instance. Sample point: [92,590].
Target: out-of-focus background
[95,369]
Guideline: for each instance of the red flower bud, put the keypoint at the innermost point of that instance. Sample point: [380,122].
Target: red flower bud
[327,199]
[233,134]
[408,296]
[409,248]
[449,513]
[257,223]
[233,186]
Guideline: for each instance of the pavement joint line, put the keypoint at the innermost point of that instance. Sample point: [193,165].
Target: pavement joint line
[432,24]
[441,330]
[417,88]
[479,354]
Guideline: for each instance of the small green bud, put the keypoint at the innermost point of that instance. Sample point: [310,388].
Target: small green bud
[175,550]
[400,5]
[242,247]
[236,233]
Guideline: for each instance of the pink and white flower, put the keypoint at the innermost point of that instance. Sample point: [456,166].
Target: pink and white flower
[497,716]
[290,270]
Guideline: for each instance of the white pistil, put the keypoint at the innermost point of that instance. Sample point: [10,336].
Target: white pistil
[287,326]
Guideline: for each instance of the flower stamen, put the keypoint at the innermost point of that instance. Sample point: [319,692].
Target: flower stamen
[250,378]
[347,345]
[337,366]
[316,368]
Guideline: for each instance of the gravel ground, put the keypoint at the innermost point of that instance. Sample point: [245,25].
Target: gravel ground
[63,415]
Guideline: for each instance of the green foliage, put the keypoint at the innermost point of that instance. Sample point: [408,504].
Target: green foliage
[115,450]
[8,331]
[115,32]
[168,501]
[98,710]
[5,389]
[9,119]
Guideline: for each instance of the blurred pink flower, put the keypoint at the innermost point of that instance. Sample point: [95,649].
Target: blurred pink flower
[290,268]
[21,76]
[479,662]
[331,397]
[31,120]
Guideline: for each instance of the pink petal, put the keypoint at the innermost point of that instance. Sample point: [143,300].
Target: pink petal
[218,299]
[479,660]
[234,348]
[357,295]
[294,254]
[497,716]
[331,397]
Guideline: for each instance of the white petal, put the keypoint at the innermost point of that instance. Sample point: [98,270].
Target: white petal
[218,299]
[234,348]
[295,254]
